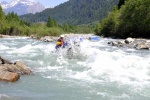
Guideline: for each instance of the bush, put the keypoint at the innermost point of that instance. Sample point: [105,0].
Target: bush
[131,20]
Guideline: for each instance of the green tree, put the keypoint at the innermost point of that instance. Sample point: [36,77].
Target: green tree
[109,24]
[51,22]
[12,17]
[66,28]
[97,28]
[135,18]
[2,20]
[131,20]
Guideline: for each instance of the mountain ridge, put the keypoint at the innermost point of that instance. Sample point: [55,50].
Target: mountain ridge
[75,12]
[22,7]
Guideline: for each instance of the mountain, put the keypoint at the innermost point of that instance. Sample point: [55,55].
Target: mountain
[3,3]
[22,7]
[75,12]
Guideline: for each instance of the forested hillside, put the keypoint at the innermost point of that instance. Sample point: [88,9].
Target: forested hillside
[75,12]
[11,24]
[130,19]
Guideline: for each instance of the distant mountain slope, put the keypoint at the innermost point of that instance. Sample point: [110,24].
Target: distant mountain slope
[75,12]
[22,7]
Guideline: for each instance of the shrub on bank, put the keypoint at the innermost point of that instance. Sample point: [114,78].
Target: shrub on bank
[131,20]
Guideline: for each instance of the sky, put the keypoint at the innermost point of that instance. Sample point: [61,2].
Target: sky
[46,3]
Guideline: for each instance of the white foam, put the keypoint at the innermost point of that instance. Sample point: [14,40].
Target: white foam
[48,68]
[4,96]
[115,66]
[4,47]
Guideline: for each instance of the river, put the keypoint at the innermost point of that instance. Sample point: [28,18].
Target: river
[97,72]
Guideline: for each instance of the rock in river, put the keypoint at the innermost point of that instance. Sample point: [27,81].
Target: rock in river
[10,72]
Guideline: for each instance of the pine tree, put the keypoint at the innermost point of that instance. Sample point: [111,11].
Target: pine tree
[50,22]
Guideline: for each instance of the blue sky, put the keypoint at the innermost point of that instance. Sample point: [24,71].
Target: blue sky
[47,3]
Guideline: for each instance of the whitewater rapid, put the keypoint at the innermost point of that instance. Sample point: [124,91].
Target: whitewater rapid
[98,72]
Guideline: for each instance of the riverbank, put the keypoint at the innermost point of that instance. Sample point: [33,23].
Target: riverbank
[134,43]
[4,36]
[54,38]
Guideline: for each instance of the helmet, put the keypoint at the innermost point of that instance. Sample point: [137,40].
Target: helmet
[61,35]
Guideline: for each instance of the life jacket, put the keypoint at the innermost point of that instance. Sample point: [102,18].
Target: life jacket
[60,42]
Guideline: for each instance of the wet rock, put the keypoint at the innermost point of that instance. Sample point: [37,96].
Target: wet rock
[121,42]
[142,46]
[9,76]
[17,67]
[49,38]
[139,44]
[129,40]
[116,43]
[20,68]
[110,42]
[33,37]
[10,72]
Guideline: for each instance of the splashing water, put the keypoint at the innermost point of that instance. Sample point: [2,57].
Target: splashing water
[92,71]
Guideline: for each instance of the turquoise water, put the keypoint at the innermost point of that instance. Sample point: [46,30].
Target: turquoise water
[96,72]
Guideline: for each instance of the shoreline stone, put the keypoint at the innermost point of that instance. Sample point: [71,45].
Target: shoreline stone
[135,43]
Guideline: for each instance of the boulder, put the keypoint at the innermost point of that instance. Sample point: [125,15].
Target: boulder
[9,76]
[10,72]
[129,40]
[142,46]
[121,42]
[48,40]
[135,43]
[33,37]
[18,67]
[116,43]
[22,67]
[110,42]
